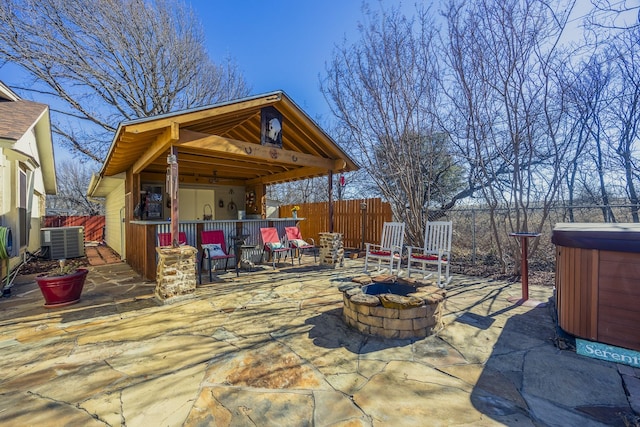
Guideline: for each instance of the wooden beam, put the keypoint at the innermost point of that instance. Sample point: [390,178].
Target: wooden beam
[222,172]
[234,147]
[170,135]
[160,176]
[309,127]
[154,124]
[292,175]
[195,160]
[187,135]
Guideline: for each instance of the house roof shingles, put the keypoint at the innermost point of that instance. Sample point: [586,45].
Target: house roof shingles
[17,117]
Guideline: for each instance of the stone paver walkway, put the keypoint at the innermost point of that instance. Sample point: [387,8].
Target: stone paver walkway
[270,348]
[100,254]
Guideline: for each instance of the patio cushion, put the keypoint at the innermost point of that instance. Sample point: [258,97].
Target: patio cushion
[215,250]
[428,257]
[380,253]
[275,246]
[298,243]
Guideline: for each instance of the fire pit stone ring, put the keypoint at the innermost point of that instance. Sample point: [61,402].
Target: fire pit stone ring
[393,308]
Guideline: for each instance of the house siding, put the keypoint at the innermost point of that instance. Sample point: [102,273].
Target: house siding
[37,214]
[9,196]
[28,144]
[26,157]
[114,227]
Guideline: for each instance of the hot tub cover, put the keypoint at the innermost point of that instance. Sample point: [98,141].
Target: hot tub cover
[619,237]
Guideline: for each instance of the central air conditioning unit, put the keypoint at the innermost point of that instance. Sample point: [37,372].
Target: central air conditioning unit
[62,242]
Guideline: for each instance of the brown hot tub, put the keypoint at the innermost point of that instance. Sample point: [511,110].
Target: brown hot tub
[598,281]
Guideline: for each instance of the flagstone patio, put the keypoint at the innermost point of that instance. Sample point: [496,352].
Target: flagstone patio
[271,348]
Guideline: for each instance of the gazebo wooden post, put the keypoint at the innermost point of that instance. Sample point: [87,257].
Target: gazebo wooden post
[172,160]
[330,186]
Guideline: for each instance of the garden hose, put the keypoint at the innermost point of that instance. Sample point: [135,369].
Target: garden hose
[5,242]
[5,249]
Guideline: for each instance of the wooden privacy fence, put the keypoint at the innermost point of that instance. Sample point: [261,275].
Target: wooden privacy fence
[93,225]
[360,221]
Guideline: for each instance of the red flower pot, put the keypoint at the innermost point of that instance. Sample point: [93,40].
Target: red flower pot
[62,290]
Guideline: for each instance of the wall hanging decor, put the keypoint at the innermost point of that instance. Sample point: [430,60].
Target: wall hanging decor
[250,199]
[271,127]
[207,212]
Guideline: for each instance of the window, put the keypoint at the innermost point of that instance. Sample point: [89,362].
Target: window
[23,221]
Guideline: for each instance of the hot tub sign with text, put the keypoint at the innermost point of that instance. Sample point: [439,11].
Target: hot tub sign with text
[607,352]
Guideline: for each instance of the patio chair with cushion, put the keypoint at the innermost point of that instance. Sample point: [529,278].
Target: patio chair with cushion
[214,248]
[389,251]
[273,245]
[436,252]
[298,245]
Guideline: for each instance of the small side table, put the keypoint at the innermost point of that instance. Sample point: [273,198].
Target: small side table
[238,243]
[524,271]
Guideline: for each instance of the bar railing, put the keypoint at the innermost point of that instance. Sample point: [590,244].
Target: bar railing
[144,262]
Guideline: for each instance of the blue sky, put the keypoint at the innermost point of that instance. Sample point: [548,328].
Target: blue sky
[282,44]
[278,45]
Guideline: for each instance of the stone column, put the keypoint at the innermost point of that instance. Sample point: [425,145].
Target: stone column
[331,249]
[176,273]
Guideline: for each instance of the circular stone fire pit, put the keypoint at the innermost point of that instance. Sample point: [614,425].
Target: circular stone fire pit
[390,309]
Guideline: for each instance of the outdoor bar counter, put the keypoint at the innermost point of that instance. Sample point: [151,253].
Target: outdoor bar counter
[144,235]
[598,281]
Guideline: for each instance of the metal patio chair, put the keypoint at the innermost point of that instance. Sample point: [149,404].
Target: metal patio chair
[214,248]
[273,245]
[298,244]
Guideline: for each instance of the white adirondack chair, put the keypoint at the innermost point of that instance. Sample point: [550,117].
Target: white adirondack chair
[436,252]
[389,251]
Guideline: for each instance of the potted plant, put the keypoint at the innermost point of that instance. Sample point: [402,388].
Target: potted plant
[294,211]
[63,285]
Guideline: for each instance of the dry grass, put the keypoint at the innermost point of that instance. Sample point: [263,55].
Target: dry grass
[472,235]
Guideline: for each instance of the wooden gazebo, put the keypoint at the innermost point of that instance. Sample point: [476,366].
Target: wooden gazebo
[247,143]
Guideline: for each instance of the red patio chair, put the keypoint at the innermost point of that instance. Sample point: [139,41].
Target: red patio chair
[297,243]
[164,239]
[213,248]
[272,244]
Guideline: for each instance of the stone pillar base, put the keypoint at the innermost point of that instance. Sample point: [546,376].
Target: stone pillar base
[331,249]
[176,273]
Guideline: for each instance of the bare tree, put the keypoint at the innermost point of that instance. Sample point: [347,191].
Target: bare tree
[384,93]
[624,112]
[587,93]
[508,107]
[72,199]
[106,61]
[619,14]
